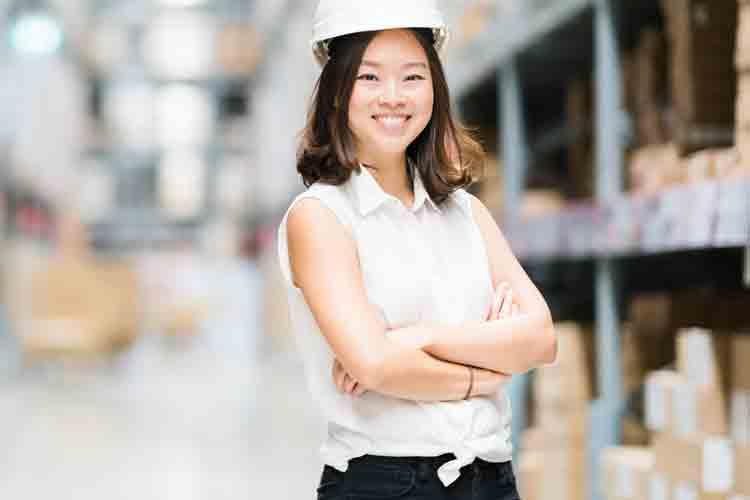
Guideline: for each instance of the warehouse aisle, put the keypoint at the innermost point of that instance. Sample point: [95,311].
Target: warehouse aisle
[167,421]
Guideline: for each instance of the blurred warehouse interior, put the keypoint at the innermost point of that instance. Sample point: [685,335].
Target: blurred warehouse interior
[147,153]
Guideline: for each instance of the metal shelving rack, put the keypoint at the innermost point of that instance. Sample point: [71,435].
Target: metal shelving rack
[499,54]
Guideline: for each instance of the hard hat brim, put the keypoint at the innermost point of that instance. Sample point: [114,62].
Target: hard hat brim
[319,45]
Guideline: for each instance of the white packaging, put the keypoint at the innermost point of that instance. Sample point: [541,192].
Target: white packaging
[658,487]
[624,481]
[657,396]
[685,491]
[740,417]
[685,409]
[718,465]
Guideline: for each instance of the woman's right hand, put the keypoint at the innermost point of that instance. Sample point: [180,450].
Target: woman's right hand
[488,382]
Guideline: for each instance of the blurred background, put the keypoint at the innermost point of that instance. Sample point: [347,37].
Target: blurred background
[147,155]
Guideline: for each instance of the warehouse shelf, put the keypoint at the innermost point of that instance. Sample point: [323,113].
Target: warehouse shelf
[550,38]
[134,228]
[706,215]
[216,83]
[512,78]
[147,156]
[505,38]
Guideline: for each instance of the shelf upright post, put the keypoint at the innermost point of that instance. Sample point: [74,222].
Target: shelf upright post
[515,147]
[515,151]
[606,412]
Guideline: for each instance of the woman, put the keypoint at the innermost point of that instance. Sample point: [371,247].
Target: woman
[409,308]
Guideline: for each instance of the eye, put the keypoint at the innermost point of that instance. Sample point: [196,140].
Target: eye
[415,77]
[367,76]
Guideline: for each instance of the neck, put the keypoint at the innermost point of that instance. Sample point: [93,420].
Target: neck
[390,173]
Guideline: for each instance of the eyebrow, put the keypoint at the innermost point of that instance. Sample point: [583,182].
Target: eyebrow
[405,66]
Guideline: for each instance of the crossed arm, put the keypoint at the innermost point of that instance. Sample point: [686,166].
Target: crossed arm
[423,362]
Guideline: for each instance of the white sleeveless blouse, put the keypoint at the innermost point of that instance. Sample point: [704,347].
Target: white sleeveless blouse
[424,264]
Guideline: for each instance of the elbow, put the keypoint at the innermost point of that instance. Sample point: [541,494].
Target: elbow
[546,345]
[372,375]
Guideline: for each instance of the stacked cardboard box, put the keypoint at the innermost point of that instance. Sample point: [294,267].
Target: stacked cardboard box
[491,188]
[701,37]
[740,413]
[653,168]
[541,202]
[742,63]
[553,458]
[578,110]
[82,306]
[713,164]
[627,472]
[649,93]
[686,409]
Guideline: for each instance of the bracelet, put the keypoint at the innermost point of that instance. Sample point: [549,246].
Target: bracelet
[471,382]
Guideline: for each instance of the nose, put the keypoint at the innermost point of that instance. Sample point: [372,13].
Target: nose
[391,94]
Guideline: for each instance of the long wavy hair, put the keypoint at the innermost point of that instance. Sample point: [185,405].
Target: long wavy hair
[445,154]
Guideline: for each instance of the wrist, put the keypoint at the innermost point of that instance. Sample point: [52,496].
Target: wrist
[470,388]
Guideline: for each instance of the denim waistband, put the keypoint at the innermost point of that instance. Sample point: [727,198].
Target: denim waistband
[424,464]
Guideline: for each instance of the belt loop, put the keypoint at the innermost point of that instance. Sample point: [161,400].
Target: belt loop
[477,468]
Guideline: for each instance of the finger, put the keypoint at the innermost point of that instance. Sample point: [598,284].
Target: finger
[498,298]
[507,304]
[338,377]
[349,383]
[339,381]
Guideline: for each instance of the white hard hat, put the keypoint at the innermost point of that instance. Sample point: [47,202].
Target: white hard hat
[342,17]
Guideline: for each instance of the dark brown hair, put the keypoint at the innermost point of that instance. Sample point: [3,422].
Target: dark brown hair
[445,154]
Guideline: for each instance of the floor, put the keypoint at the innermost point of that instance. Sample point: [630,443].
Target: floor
[166,421]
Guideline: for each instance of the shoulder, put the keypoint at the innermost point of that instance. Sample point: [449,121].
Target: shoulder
[466,202]
[321,200]
[326,196]
[475,209]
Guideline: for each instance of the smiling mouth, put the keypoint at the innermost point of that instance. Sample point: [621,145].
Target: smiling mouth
[392,122]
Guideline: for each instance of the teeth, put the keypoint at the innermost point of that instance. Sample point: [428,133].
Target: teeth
[391,121]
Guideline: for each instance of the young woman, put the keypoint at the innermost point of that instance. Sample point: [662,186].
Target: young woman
[408,306]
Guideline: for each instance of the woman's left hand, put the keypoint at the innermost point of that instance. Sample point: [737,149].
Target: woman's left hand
[503,303]
[503,306]
[345,383]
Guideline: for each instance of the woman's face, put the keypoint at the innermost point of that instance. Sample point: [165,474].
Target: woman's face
[392,98]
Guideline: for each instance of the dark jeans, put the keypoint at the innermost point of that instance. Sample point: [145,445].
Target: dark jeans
[372,477]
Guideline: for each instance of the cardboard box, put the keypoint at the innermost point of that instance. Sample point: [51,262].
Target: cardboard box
[658,394]
[659,487]
[632,367]
[578,112]
[537,438]
[740,417]
[742,470]
[651,88]
[740,361]
[698,409]
[570,381]
[627,471]
[663,488]
[566,421]
[742,50]
[702,75]
[704,460]
[703,357]
[558,473]
[531,475]
[650,320]
[654,168]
